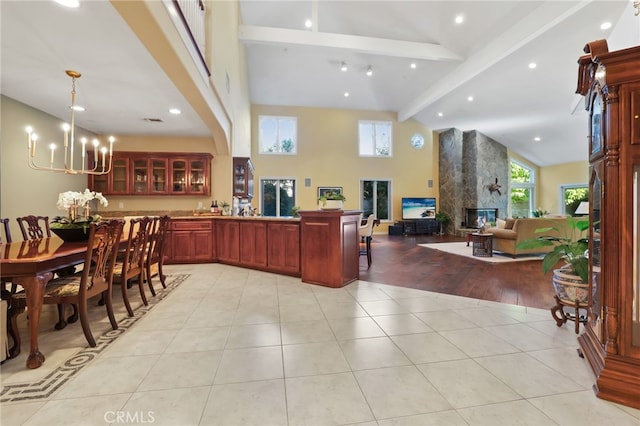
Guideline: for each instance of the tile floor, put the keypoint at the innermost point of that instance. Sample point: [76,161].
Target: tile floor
[232,346]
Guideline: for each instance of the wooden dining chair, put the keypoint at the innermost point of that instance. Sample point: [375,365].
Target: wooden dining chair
[130,264]
[154,260]
[77,289]
[365,232]
[6,236]
[34,227]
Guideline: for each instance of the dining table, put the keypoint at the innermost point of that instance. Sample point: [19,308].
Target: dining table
[30,264]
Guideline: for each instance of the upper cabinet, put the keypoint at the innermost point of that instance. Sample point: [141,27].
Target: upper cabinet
[156,173]
[242,177]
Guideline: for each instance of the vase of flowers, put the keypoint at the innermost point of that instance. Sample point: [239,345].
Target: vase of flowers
[73,226]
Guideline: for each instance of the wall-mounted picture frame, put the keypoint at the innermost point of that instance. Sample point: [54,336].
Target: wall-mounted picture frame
[322,190]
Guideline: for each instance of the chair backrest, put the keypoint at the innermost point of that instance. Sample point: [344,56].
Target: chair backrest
[104,238]
[34,227]
[156,238]
[367,230]
[135,253]
[7,231]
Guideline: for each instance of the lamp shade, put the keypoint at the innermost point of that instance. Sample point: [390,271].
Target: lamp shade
[583,208]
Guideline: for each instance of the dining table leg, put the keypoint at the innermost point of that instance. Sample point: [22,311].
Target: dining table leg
[34,292]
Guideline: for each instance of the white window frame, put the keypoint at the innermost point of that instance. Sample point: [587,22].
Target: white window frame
[372,130]
[277,142]
[528,185]
[389,197]
[563,207]
[277,178]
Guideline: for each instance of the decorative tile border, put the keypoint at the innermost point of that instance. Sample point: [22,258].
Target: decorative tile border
[53,381]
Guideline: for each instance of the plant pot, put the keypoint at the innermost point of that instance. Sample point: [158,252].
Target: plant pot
[70,235]
[570,288]
[331,205]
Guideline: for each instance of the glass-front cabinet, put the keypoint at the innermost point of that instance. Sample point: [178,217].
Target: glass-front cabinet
[243,177]
[610,83]
[138,173]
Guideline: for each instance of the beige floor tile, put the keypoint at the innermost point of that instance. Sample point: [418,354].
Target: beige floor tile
[464,383]
[567,362]
[346,309]
[247,336]
[401,324]
[326,400]
[182,370]
[427,347]
[374,352]
[301,312]
[17,414]
[308,359]
[253,403]
[443,418]
[170,407]
[306,332]
[445,320]
[141,342]
[477,342]
[507,413]
[250,364]
[355,328]
[81,411]
[399,391]
[199,339]
[382,307]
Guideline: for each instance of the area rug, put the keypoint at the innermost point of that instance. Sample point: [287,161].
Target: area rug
[41,389]
[461,249]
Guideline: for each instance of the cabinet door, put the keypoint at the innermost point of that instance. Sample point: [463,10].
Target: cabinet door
[253,243]
[181,246]
[159,176]
[197,180]
[227,240]
[178,176]
[202,245]
[284,247]
[119,176]
[140,184]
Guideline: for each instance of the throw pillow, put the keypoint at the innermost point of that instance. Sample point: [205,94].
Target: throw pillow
[501,223]
[509,223]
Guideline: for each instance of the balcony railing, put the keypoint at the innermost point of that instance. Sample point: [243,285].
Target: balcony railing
[192,14]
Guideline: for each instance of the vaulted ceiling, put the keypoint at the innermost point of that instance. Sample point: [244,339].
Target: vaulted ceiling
[487,56]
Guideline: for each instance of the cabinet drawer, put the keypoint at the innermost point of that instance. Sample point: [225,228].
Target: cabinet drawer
[182,225]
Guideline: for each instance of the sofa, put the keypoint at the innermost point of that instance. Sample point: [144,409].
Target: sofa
[507,234]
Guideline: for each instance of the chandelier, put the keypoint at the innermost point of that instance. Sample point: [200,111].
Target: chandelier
[96,168]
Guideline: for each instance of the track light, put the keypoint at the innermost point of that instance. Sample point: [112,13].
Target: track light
[369,71]
[343,66]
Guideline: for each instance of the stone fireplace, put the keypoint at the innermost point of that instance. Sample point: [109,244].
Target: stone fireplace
[470,163]
[473,217]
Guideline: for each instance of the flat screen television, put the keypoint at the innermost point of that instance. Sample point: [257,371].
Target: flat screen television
[418,208]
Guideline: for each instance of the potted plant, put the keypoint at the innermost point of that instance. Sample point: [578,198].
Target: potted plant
[569,245]
[331,200]
[443,219]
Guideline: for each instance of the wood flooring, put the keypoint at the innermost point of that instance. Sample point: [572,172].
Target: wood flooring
[398,260]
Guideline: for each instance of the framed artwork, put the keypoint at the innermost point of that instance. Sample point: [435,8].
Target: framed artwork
[322,190]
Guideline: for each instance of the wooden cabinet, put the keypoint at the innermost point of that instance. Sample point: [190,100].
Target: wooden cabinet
[242,177]
[228,241]
[191,241]
[284,247]
[329,247]
[139,173]
[253,243]
[610,82]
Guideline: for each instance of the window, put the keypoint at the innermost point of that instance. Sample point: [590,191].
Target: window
[522,190]
[376,198]
[278,135]
[277,196]
[374,138]
[572,196]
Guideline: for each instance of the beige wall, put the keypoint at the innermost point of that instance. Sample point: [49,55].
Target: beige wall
[553,177]
[328,155]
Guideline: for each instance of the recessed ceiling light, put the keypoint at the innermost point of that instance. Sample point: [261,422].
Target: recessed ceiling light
[459,19]
[369,71]
[470,98]
[413,65]
[68,3]
[440,114]
[175,111]
[308,23]
[537,139]
[346,94]
[78,108]
[532,65]
[605,25]
[343,66]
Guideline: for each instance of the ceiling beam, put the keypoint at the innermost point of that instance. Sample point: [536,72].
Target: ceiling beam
[371,45]
[522,32]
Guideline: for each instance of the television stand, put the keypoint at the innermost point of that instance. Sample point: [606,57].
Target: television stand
[420,226]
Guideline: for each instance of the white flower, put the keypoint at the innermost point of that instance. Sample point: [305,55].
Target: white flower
[70,198]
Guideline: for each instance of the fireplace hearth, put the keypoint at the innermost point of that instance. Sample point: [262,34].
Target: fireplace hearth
[475,216]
